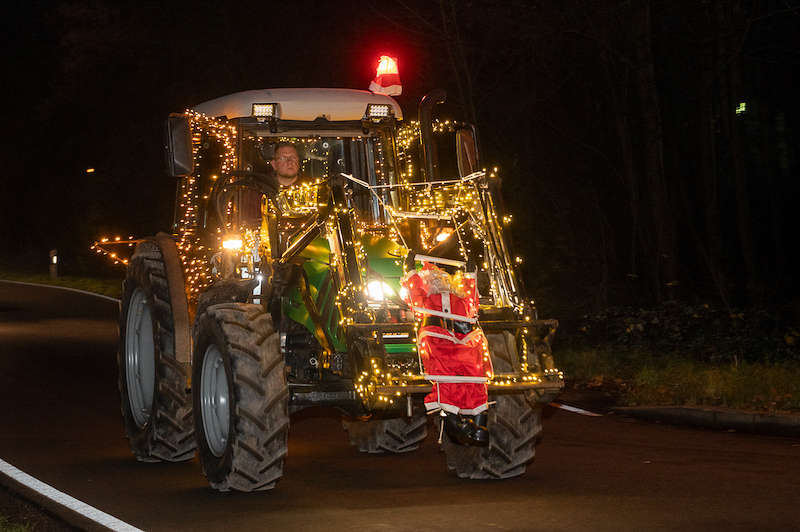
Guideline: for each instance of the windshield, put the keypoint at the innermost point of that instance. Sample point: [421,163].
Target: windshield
[365,158]
[452,219]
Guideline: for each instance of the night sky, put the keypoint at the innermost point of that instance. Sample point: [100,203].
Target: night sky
[649,151]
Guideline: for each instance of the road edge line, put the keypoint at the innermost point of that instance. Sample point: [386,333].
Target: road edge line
[78,290]
[49,493]
[574,409]
[52,495]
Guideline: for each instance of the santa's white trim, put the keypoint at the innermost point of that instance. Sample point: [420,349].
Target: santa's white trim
[390,90]
[446,302]
[436,405]
[451,336]
[439,260]
[446,315]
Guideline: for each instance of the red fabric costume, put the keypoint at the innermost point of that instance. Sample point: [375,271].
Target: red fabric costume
[456,362]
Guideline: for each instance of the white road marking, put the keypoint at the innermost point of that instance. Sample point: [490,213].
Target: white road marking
[63,288]
[575,409]
[90,512]
[58,497]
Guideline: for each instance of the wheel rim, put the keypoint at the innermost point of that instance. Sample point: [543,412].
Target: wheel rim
[140,359]
[214,400]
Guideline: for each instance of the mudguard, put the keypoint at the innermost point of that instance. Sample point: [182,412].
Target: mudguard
[177,296]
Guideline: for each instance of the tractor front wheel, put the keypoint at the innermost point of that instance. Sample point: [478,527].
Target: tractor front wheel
[515,427]
[240,398]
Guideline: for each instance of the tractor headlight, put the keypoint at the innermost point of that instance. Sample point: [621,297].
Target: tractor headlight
[232,243]
[403,293]
[378,290]
[444,234]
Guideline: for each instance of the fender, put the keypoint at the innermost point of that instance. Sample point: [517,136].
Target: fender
[177,299]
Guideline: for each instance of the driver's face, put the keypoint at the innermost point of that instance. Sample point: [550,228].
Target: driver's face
[286,165]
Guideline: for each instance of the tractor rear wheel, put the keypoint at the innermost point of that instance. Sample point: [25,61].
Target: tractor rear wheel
[156,407]
[240,398]
[515,427]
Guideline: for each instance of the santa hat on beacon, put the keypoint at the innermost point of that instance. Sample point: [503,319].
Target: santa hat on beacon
[387,77]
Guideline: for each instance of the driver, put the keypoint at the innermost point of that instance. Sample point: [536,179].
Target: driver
[286,163]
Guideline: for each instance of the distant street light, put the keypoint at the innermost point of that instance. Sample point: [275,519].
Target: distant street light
[90,170]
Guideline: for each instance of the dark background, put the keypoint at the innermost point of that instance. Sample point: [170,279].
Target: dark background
[631,176]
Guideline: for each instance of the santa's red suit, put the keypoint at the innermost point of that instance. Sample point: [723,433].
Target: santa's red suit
[452,348]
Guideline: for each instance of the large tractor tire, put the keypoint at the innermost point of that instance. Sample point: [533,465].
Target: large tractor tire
[240,398]
[156,406]
[515,427]
[396,435]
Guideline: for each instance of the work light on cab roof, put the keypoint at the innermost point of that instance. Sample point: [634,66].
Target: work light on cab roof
[265,110]
[387,77]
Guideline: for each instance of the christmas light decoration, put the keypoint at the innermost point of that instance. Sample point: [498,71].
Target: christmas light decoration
[456,211]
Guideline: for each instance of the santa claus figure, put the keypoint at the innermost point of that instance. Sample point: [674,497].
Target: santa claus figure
[453,349]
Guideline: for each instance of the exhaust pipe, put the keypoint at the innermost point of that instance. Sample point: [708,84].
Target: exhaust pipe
[430,158]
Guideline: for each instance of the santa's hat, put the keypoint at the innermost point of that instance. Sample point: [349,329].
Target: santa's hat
[387,77]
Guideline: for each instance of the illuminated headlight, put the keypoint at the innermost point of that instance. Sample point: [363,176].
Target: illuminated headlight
[378,110]
[378,290]
[265,110]
[444,234]
[232,243]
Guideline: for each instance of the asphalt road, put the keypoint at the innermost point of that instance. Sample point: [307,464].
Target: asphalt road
[60,422]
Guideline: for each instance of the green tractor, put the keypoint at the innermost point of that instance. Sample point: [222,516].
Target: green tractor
[264,300]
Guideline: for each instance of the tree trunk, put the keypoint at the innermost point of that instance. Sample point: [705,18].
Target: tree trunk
[730,83]
[710,240]
[664,271]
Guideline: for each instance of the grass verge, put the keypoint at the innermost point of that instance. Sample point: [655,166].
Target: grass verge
[106,287]
[7,525]
[640,378]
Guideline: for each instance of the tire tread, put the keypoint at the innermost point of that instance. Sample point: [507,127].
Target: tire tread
[258,442]
[169,435]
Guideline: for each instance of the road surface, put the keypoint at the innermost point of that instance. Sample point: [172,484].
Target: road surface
[60,422]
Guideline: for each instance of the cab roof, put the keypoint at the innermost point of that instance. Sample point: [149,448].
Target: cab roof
[299,104]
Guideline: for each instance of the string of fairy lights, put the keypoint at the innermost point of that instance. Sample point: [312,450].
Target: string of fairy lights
[461,204]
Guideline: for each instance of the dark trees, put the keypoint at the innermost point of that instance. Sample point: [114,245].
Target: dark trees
[649,149]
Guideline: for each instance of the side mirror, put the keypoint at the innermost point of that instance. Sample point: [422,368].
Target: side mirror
[466,151]
[180,161]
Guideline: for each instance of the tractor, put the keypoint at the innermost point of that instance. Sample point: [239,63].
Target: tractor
[263,300]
